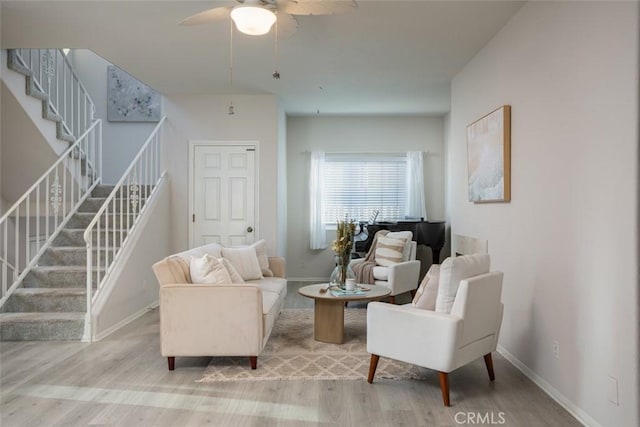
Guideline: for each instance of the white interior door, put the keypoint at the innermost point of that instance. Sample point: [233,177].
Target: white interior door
[223,194]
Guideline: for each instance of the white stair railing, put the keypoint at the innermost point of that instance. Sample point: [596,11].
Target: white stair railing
[45,208]
[109,230]
[54,75]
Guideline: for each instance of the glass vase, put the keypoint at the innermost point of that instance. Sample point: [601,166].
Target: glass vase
[341,273]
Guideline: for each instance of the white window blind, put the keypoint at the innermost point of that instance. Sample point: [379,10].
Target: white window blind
[356,185]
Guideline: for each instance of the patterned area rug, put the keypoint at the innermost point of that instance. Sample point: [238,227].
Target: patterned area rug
[292,354]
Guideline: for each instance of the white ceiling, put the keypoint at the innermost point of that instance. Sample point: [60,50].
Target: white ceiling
[386,57]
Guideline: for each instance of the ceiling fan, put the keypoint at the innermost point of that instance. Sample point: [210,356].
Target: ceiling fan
[256,17]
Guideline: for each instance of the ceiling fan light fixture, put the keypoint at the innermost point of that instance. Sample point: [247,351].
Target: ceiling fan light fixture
[253,20]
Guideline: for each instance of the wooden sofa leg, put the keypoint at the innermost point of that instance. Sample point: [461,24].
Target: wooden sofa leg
[413,293]
[489,362]
[444,387]
[373,365]
[254,361]
[171,360]
[392,299]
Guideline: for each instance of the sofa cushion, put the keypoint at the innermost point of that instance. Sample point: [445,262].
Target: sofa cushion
[208,269]
[389,250]
[213,249]
[270,284]
[452,271]
[245,261]
[427,293]
[233,273]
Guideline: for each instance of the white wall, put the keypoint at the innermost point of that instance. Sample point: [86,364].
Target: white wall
[567,241]
[135,288]
[282,182]
[205,117]
[352,134]
[121,141]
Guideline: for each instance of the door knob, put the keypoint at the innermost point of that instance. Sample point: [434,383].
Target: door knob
[249,229]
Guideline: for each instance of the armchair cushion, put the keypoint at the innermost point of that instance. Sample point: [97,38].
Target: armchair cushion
[427,293]
[208,269]
[389,251]
[245,261]
[452,271]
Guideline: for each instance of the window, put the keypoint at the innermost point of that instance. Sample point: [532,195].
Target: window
[356,185]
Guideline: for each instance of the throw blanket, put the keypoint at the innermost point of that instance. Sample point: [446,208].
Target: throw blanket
[364,269]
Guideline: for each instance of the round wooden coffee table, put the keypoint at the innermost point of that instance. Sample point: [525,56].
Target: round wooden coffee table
[328,321]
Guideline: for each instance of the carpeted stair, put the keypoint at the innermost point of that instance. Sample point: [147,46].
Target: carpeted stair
[50,303]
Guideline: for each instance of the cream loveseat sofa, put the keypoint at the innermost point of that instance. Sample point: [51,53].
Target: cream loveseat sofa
[213,319]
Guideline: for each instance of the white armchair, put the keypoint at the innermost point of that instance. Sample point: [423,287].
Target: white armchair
[401,277]
[439,340]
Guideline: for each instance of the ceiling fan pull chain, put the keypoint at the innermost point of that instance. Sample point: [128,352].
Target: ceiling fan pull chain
[231,109]
[276,73]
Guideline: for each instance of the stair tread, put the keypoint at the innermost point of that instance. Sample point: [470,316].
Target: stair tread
[41,316]
[50,291]
[67,268]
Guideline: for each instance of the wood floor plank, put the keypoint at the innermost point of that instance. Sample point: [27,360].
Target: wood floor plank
[123,380]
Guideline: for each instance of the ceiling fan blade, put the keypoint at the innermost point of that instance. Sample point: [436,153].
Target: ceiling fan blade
[287,25]
[211,15]
[316,7]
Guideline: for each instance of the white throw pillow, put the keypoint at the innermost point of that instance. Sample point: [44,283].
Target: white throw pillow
[407,236]
[236,278]
[452,271]
[427,293]
[261,252]
[245,262]
[207,269]
[389,251]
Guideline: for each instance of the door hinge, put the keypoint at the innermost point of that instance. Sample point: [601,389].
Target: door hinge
[251,149]
[193,218]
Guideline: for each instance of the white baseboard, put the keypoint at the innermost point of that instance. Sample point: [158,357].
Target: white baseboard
[125,321]
[575,411]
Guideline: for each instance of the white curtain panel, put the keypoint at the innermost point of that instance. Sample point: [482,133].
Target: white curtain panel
[316,184]
[415,206]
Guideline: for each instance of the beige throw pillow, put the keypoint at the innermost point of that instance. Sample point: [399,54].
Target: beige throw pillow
[389,251]
[261,252]
[236,278]
[207,269]
[427,293]
[245,262]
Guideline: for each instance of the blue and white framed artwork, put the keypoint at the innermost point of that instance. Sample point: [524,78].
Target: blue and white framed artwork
[130,100]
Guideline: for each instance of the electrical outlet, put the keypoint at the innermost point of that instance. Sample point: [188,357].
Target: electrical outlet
[555,349]
[612,390]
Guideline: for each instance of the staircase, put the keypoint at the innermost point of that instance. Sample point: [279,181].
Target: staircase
[51,302]
[51,79]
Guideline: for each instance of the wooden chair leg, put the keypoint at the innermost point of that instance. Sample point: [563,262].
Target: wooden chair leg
[392,299]
[373,365]
[254,361]
[444,387]
[489,362]
[171,360]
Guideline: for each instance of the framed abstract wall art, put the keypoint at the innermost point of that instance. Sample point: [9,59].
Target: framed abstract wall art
[130,100]
[489,157]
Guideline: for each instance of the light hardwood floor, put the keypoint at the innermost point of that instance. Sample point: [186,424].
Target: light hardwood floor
[123,380]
